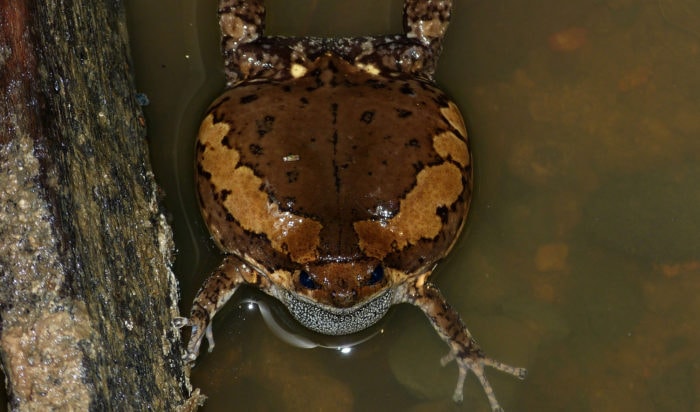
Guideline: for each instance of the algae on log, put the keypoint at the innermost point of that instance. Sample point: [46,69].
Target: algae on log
[87,296]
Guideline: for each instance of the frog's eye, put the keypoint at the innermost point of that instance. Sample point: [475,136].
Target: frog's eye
[377,275]
[306,280]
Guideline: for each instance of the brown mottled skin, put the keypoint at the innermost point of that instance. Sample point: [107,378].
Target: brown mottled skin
[335,174]
[363,150]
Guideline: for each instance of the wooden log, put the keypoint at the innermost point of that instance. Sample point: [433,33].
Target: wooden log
[87,296]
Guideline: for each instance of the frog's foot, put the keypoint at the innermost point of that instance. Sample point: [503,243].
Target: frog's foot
[476,364]
[201,327]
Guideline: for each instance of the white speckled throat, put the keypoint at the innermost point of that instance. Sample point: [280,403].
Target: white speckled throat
[333,321]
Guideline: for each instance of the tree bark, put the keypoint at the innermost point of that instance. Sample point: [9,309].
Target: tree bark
[87,296]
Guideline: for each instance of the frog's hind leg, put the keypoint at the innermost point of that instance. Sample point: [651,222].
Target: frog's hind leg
[427,21]
[463,348]
[241,22]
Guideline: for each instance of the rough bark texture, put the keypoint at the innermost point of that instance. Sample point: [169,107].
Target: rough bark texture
[86,292]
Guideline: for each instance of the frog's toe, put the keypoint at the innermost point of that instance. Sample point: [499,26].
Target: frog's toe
[519,373]
[189,357]
[447,359]
[210,338]
[193,345]
[180,322]
[477,365]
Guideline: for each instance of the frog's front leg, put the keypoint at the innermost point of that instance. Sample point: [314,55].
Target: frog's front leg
[214,294]
[427,21]
[463,348]
[241,22]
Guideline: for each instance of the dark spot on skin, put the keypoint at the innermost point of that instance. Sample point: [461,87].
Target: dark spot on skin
[304,100]
[249,98]
[403,113]
[202,172]
[265,125]
[316,73]
[334,112]
[406,89]
[217,117]
[413,143]
[367,116]
[255,149]
[336,169]
[224,194]
[227,142]
[376,84]
[385,163]
[286,88]
[444,214]
[369,173]
[256,238]
[332,67]
[442,100]
[292,176]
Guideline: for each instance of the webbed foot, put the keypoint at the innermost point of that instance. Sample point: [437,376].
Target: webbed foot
[476,364]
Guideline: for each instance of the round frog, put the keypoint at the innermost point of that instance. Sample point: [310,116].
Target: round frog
[334,174]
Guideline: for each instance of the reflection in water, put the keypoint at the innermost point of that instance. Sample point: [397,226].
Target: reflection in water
[581,259]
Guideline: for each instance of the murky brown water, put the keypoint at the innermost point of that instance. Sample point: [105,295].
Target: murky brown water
[582,256]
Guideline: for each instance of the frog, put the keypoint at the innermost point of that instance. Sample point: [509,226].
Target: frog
[334,175]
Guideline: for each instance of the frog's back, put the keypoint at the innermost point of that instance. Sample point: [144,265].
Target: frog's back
[350,164]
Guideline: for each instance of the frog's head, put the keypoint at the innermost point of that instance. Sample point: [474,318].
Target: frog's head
[338,298]
[341,285]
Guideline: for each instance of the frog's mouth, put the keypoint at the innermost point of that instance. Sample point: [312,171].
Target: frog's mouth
[337,321]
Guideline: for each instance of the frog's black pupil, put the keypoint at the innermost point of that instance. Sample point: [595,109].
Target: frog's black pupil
[377,275]
[306,281]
